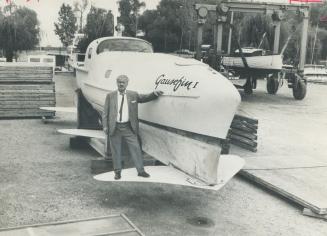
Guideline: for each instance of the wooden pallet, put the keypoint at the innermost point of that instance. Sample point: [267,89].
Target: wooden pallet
[30,88]
[243,132]
[109,225]
[26,74]
[25,88]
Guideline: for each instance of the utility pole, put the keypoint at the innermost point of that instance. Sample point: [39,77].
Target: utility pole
[230,33]
[314,43]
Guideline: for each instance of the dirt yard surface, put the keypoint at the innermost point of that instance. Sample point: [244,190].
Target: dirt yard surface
[43,180]
[288,127]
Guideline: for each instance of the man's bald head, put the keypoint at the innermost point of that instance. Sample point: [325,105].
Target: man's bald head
[122,82]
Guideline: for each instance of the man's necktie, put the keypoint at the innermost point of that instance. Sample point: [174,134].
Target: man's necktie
[121,108]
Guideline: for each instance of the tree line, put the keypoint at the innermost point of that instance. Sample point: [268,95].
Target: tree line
[172,26]
[19,30]
[169,27]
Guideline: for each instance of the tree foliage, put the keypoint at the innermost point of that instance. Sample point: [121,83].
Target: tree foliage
[253,28]
[66,26]
[19,30]
[129,15]
[80,8]
[163,26]
[319,32]
[317,35]
[99,23]
[172,25]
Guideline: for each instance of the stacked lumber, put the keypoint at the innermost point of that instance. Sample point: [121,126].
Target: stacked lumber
[24,88]
[243,132]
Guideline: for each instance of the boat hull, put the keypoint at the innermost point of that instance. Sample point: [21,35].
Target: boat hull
[196,98]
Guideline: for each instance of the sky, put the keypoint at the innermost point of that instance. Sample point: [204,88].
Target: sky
[47,11]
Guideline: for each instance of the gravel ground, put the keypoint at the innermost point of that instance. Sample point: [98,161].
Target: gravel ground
[43,180]
[288,127]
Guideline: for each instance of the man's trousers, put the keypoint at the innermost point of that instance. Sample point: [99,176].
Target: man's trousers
[124,131]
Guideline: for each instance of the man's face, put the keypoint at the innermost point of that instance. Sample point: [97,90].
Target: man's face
[122,83]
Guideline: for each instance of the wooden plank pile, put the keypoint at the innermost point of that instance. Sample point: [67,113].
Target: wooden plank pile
[243,132]
[24,88]
[110,225]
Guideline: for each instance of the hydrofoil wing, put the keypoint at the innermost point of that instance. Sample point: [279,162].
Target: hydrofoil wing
[60,109]
[89,133]
[228,166]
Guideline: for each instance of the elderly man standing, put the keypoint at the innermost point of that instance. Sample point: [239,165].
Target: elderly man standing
[120,121]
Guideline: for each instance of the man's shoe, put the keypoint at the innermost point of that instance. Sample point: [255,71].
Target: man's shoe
[143,174]
[117,175]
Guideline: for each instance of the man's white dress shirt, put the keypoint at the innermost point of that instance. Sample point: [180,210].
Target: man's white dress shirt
[125,117]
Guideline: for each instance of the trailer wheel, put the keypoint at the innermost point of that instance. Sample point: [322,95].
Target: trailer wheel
[299,89]
[272,84]
[248,86]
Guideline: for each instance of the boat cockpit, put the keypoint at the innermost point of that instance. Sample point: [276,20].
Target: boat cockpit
[124,45]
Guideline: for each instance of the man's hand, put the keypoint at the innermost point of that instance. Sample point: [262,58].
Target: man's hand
[105,130]
[158,93]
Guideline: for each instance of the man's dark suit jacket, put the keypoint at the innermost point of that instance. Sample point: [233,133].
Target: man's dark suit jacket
[110,111]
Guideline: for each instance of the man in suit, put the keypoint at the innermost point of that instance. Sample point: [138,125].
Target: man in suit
[120,121]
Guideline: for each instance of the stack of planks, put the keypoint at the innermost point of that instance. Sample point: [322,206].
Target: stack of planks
[243,132]
[24,88]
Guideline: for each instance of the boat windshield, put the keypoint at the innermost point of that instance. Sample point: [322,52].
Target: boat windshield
[129,45]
